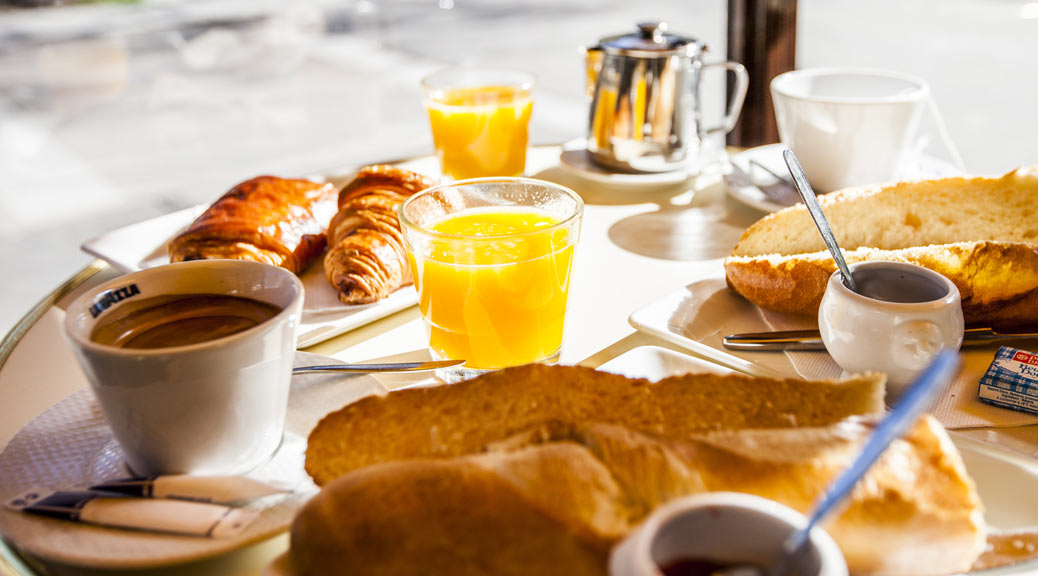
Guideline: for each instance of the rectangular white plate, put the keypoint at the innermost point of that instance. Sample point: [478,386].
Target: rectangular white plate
[655,363]
[143,245]
[699,315]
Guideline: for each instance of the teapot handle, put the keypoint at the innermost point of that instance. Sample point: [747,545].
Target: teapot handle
[734,107]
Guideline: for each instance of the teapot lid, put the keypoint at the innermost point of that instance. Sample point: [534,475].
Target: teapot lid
[651,40]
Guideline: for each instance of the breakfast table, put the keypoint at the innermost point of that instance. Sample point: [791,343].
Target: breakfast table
[641,243]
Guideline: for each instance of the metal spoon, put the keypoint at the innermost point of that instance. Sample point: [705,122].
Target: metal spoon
[808,195]
[918,397]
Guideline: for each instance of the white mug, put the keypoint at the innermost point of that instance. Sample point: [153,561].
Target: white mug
[724,528]
[903,317]
[848,126]
[214,407]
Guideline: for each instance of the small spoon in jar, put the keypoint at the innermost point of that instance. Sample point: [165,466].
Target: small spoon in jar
[808,195]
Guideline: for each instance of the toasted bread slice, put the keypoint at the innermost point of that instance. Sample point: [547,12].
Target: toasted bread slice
[464,418]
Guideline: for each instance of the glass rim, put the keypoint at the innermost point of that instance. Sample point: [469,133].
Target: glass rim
[527,83]
[578,210]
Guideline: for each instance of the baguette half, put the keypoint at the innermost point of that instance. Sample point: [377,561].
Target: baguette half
[979,232]
[463,418]
[553,500]
[998,281]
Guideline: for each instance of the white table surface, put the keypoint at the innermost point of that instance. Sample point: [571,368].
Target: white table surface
[636,245]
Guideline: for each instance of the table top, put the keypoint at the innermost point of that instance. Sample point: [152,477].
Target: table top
[636,245]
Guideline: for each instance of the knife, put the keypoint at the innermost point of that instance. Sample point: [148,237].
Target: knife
[811,340]
[378,367]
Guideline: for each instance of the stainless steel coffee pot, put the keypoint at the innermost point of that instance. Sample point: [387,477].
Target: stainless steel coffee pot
[645,102]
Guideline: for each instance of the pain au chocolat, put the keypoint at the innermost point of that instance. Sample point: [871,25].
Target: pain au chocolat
[266,219]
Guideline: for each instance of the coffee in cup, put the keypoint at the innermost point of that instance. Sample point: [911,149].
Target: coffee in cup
[191,362]
[180,320]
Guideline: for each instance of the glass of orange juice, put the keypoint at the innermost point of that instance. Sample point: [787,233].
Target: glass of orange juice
[491,260]
[480,120]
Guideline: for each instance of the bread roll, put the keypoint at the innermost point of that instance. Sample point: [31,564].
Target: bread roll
[463,418]
[554,499]
[979,232]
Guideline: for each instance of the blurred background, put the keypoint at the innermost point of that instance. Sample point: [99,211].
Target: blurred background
[111,113]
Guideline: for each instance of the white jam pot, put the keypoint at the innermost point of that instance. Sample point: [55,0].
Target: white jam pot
[724,528]
[903,316]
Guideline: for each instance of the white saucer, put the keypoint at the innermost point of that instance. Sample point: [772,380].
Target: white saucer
[69,446]
[576,159]
[770,157]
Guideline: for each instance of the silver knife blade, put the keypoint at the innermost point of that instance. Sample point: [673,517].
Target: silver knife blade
[797,340]
[379,367]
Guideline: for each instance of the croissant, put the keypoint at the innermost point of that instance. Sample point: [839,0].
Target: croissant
[366,260]
[265,219]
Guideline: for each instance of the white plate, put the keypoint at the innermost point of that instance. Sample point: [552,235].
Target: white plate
[655,363]
[143,245]
[576,159]
[770,156]
[699,315]
[69,446]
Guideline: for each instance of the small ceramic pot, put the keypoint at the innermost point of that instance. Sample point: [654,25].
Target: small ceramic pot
[901,318]
[723,528]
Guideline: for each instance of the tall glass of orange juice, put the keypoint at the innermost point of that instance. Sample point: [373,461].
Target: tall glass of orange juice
[480,120]
[491,260]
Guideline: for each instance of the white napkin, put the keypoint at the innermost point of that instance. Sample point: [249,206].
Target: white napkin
[958,407]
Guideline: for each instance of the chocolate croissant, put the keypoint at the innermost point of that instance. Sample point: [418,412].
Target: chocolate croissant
[265,219]
[366,259]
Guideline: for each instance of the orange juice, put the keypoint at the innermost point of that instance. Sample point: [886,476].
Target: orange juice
[495,292]
[481,131]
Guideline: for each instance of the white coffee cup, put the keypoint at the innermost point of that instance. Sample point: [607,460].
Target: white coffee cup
[214,407]
[727,528]
[848,126]
[903,317]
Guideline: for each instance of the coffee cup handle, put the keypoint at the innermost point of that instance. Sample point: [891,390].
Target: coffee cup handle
[734,107]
